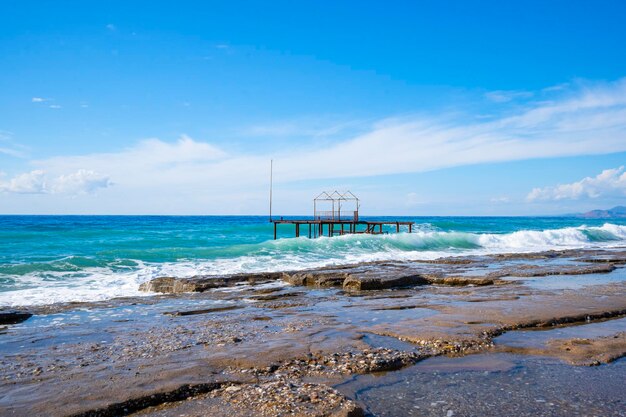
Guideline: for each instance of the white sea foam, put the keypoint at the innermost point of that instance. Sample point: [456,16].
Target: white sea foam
[94,284]
[91,284]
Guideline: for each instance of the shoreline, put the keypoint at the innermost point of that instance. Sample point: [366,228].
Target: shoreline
[290,342]
[329,276]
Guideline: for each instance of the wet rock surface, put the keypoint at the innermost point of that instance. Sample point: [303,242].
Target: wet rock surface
[476,270]
[492,385]
[590,344]
[258,345]
[586,351]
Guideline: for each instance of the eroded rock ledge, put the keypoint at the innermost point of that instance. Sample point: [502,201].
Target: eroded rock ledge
[201,283]
[459,271]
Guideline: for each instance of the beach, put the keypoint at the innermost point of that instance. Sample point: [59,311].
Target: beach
[465,316]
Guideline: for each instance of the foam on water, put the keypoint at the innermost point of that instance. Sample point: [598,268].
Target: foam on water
[81,278]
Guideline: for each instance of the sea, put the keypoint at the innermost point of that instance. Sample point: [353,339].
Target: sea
[52,259]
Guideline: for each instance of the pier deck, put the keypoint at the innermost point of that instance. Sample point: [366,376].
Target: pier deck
[330,227]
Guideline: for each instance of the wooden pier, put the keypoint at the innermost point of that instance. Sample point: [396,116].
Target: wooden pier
[330,228]
[338,221]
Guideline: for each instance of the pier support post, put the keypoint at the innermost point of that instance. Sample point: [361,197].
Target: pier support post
[309,230]
[297,229]
[342,229]
[380,228]
[397,227]
[274,231]
[410,228]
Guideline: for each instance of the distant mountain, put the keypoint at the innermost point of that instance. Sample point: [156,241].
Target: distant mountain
[618,212]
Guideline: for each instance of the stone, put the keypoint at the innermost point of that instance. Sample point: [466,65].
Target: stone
[379,282]
[201,283]
[14,316]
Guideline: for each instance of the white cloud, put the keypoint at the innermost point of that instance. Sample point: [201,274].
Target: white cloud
[609,183]
[54,106]
[111,27]
[29,183]
[80,182]
[38,99]
[37,182]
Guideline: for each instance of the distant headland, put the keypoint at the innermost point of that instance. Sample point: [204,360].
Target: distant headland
[618,212]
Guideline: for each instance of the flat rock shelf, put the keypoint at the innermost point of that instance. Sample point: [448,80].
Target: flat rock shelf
[373,339]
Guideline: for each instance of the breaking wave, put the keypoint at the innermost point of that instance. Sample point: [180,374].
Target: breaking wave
[86,279]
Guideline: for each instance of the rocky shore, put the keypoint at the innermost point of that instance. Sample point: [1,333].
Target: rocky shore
[282,343]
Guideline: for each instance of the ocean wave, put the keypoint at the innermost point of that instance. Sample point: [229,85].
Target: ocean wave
[421,240]
[85,279]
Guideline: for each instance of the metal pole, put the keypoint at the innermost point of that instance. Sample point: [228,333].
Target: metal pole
[271,181]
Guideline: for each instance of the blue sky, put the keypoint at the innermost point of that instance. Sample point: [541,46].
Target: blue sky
[420,108]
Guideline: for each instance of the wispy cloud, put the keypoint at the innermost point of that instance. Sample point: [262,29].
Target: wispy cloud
[151,162]
[302,128]
[504,96]
[46,100]
[609,183]
[12,152]
[413,199]
[111,27]
[9,147]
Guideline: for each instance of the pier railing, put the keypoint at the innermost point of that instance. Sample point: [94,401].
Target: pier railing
[337,215]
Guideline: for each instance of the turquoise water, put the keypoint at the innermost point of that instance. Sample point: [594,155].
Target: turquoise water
[45,259]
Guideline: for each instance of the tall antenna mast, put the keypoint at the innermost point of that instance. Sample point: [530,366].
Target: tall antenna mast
[271,181]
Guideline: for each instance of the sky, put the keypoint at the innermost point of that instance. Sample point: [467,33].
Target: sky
[419,108]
